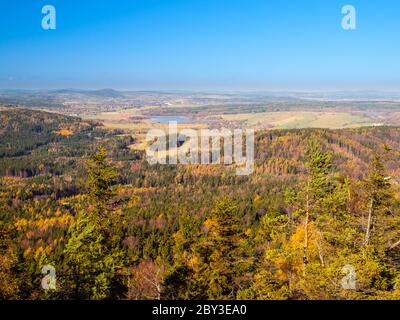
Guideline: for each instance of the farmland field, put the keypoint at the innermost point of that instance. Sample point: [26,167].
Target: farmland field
[298,120]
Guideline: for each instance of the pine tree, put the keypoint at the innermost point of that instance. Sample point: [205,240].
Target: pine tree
[100,177]
[319,214]
[380,195]
[271,236]
[177,280]
[215,255]
[93,252]
[318,164]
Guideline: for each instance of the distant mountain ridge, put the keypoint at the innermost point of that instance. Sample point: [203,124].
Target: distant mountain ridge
[300,95]
[101,92]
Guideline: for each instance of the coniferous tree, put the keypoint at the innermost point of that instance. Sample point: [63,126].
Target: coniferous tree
[93,252]
[380,196]
[215,259]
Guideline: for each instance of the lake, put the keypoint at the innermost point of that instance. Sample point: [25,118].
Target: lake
[171,119]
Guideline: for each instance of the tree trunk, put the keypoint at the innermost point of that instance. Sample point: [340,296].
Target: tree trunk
[369,224]
[394,245]
[305,248]
[320,252]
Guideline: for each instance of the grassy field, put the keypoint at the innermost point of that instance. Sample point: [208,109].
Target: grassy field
[132,121]
[297,120]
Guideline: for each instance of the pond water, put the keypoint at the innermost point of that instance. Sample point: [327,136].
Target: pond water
[171,119]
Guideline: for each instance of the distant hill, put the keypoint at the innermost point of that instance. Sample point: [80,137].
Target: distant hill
[31,95]
[278,152]
[23,130]
[98,93]
[32,139]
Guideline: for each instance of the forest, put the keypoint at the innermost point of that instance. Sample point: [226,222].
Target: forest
[319,218]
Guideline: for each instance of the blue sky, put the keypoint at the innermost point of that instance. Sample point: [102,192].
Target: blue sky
[201,45]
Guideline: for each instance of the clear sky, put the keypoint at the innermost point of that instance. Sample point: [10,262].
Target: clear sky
[200,44]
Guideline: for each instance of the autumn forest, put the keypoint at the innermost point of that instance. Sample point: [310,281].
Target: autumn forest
[318,219]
